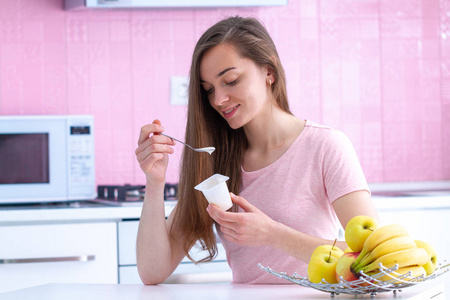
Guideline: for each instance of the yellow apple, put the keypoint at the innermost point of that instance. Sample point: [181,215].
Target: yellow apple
[335,251]
[357,230]
[322,266]
[343,267]
[430,266]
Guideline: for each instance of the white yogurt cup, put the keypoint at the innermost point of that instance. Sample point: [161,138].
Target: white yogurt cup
[216,191]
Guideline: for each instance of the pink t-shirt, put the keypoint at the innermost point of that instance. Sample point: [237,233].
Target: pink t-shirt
[297,190]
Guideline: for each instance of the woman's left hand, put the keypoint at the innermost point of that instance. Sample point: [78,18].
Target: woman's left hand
[252,228]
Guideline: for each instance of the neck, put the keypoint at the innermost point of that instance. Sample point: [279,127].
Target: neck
[271,130]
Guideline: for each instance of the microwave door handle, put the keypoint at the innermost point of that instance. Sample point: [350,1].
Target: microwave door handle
[81,258]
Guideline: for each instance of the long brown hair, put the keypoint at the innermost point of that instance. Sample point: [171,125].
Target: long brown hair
[205,127]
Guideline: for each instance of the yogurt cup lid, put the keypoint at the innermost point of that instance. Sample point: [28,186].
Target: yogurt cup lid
[211,182]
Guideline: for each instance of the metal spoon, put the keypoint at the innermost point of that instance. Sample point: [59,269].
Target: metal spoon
[206,149]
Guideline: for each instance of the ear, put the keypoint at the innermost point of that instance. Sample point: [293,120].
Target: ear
[270,74]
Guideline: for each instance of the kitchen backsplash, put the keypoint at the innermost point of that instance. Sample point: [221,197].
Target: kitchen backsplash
[379,70]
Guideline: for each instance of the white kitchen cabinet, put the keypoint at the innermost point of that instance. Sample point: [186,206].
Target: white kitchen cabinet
[425,218]
[427,225]
[48,253]
[187,272]
[423,222]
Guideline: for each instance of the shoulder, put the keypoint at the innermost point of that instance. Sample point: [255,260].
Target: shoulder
[326,137]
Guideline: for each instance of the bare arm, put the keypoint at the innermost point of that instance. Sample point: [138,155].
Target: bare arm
[301,245]
[257,229]
[158,254]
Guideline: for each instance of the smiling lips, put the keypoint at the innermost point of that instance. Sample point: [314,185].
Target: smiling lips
[230,111]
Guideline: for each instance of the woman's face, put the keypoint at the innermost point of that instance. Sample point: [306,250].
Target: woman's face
[237,88]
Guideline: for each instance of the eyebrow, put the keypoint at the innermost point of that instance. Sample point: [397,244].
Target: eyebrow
[222,72]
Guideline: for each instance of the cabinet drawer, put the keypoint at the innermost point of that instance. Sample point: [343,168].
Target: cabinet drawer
[127,235]
[75,253]
[127,245]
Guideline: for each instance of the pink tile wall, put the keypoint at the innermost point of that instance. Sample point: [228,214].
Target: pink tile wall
[379,70]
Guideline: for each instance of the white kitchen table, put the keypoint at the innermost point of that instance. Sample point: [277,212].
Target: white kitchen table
[64,291]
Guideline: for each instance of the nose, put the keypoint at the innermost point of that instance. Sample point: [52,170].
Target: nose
[220,96]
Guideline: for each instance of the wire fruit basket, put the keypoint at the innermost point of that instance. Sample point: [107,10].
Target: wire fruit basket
[365,284]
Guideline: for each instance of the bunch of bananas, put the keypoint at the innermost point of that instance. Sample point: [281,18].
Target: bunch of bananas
[390,245]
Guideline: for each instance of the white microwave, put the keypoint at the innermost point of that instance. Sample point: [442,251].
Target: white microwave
[46,158]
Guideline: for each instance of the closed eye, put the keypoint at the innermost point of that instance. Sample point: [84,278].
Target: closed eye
[211,90]
[233,82]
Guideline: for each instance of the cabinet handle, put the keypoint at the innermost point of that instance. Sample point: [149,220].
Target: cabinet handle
[82,258]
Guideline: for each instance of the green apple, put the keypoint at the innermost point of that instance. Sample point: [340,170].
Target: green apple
[343,267]
[335,251]
[430,266]
[322,266]
[357,230]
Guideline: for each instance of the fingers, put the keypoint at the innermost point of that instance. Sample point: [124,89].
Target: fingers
[153,148]
[230,235]
[152,145]
[150,159]
[221,216]
[149,140]
[153,151]
[244,204]
[156,143]
[148,129]
[228,228]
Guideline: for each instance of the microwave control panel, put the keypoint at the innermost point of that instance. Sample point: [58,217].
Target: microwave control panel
[81,164]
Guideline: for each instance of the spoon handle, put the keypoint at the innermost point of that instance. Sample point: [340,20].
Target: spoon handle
[175,139]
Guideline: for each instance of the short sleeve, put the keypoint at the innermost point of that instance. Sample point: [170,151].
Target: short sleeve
[342,172]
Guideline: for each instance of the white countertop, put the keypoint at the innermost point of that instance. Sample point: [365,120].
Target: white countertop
[415,195]
[32,215]
[202,291]
[73,213]
[28,215]
[411,202]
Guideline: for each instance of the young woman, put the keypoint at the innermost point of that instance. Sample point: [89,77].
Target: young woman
[296,180]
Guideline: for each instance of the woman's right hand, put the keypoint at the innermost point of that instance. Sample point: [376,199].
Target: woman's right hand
[153,152]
